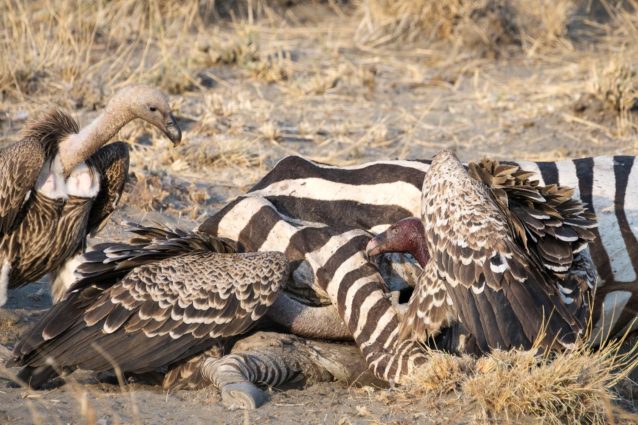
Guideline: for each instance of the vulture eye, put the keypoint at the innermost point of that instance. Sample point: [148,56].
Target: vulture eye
[152,108]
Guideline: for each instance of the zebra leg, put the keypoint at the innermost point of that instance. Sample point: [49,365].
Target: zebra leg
[266,359]
[274,360]
[307,321]
[399,272]
[234,374]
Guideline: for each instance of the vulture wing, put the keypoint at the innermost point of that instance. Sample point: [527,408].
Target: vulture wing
[20,166]
[502,295]
[430,307]
[112,163]
[158,314]
[21,162]
[547,221]
[107,263]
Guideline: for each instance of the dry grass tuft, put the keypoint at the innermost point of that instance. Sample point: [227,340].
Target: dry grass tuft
[543,24]
[73,50]
[576,386]
[441,374]
[617,86]
[490,26]
[612,96]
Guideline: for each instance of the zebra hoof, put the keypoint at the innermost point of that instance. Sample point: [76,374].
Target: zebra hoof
[243,395]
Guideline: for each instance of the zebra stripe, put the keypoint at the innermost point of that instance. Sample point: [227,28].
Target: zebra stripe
[323,215]
[534,167]
[603,189]
[623,209]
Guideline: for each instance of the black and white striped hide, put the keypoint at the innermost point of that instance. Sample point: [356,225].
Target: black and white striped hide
[324,215]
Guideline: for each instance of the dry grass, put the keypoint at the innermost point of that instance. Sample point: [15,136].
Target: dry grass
[490,27]
[577,386]
[68,48]
[86,398]
[616,86]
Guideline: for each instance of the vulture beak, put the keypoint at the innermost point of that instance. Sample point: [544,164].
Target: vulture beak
[172,131]
[375,245]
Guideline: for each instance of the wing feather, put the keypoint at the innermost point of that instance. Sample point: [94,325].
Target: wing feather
[429,309]
[158,304]
[20,166]
[550,225]
[500,280]
[112,162]
[22,162]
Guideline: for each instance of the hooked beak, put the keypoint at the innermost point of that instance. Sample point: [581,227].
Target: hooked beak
[172,131]
[375,245]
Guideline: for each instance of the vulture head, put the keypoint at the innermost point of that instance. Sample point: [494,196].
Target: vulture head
[407,235]
[151,105]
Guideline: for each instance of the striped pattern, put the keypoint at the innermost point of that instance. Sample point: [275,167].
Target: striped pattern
[266,367]
[325,215]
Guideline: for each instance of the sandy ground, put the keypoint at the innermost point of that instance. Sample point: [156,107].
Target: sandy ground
[337,104]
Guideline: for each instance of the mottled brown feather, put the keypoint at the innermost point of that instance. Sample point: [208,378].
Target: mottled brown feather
[492,241]
[160,312]
[20,165]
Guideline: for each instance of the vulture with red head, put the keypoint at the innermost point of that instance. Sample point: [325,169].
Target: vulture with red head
[502,255]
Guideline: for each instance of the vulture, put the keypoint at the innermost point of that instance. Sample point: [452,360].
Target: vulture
[151,305]
[501,255]
[58,184]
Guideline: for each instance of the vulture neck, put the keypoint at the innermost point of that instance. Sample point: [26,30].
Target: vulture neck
[77,148]
[420,253]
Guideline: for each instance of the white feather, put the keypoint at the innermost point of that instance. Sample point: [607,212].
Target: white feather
[84,182]
[564,290]
[51,180]
[65,277]
[478,290]
[565,299]
[4,282]
[499,269]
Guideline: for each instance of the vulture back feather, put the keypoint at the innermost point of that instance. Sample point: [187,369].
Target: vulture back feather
[180,294]
[108,262]
[548,222]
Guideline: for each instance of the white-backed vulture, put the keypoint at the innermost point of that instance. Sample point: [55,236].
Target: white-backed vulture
[59,183]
